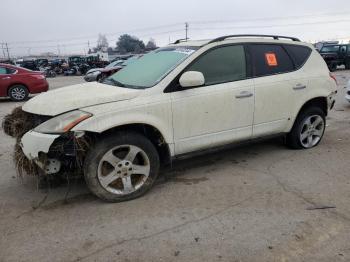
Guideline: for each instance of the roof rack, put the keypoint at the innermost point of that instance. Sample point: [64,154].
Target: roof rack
[178,41]
[276,37]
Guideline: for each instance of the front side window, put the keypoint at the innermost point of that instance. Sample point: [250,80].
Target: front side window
[151,68]
[220,65]
[269,60]
[343,49]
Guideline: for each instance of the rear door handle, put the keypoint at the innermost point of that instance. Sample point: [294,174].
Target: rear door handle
[244,94]
[299,87]
[7,77]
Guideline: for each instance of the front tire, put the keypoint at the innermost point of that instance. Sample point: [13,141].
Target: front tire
[121,167]
[18,93]
[308,129]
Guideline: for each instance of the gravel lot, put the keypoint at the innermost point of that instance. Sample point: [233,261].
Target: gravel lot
[256,202]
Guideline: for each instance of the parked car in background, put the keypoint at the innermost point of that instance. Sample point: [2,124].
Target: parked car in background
[98,74]
[336,55]
[347,95]
[17,82]
[186,97]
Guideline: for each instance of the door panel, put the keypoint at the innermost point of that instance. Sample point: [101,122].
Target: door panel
[272,104]
[5,80]
[213,115]
[272,68]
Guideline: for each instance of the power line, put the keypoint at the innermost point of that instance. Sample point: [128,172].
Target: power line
[270,26]
[269,18]
[148,29]
[145,29]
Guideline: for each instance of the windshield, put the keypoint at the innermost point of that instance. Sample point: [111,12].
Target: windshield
[330,49]
[151,68]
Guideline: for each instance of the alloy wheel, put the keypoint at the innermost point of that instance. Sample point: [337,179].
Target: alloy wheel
[123,169]
[18,93]
[312,130]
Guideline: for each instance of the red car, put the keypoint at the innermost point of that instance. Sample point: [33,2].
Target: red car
[17,82]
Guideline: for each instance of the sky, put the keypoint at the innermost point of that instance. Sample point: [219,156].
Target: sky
[71,26]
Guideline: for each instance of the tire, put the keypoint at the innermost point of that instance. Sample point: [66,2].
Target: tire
[18,93]
[347,65]
[98,78]
[333,67]
[113,176]
[311,122]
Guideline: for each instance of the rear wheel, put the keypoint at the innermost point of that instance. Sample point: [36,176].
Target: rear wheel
[18,93]
[308,129]
[121,167]
[347,65]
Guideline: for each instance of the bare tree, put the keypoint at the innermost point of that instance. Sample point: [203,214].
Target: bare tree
[102,42]
[151,44]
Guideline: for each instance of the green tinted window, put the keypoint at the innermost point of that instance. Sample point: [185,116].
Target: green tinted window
[3,70]
[220,65]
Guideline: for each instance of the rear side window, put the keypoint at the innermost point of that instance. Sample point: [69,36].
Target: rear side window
[270,60]
[220,65]
[299,54]
[3,71]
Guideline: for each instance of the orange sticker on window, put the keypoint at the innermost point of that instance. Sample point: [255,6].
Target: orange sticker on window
[271,59]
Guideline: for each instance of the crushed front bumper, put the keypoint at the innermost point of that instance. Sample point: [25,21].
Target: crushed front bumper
[56,153]
[32,143]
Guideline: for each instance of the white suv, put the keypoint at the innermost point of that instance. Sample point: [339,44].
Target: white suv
[188,96]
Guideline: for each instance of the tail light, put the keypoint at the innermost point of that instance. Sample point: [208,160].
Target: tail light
[40,77]
[333,77]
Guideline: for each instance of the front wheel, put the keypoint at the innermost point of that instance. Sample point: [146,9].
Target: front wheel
[121,167]
[308,129]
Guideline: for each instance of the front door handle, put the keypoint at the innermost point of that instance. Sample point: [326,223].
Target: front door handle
[244,94]
[7,77]
[299,87]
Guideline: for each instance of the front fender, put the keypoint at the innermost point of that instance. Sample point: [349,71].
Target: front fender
[157,115]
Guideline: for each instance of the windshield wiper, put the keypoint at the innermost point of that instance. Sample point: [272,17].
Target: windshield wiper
[114,82]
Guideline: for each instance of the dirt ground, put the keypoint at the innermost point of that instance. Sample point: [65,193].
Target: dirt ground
[258,202]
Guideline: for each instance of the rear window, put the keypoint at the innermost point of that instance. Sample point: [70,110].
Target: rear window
[299,54]
[11,71]
[330,49]
[270,60]
[3,71]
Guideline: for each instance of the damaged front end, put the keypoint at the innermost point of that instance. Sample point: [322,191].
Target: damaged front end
[40,153]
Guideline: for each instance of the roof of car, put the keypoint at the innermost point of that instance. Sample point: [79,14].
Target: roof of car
[240,39]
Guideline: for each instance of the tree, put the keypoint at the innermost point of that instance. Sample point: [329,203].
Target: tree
[151,44]
[102,42]
[127,43]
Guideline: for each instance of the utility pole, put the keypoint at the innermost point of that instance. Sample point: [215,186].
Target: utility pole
[186,30]
[7,49]
[58,50]
[3,49]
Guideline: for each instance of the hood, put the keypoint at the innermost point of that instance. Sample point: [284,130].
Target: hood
[93,70]
[73,97]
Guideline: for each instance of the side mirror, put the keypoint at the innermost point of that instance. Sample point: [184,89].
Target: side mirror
[192,79]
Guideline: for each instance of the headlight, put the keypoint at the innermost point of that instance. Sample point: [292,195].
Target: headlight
[62,123]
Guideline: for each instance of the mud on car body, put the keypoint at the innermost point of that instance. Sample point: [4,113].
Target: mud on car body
[188,96]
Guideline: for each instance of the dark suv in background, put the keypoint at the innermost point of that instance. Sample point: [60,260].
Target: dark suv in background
[336,55]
